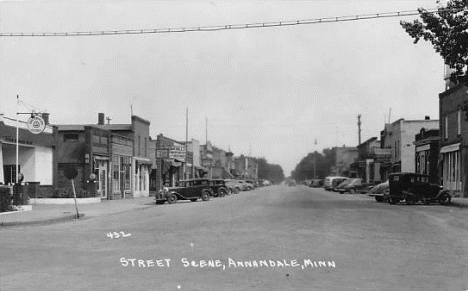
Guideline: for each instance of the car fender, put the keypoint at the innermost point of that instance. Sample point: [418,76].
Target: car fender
[445,192]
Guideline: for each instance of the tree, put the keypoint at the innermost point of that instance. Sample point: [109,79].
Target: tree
[305,169]
[447,30]
[271,172]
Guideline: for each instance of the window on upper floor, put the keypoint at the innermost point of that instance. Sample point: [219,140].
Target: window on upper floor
[71,137]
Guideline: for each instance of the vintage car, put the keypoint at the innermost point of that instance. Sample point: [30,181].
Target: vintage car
[234,185]
[244,185]
[219,187]
[251,184]
[354,185]
[412,187]
[331,182]
[339,183]
[316,183]
[192,190]
[380,192]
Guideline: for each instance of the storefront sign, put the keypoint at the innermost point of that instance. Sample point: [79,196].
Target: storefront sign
[162,153]
[36,124]
[177,152]
[13,140]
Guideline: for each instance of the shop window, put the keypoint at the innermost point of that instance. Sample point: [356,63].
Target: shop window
[125,170]
[71,137]
[9,173]
[116,173]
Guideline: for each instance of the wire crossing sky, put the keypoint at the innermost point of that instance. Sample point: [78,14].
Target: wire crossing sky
[219,27]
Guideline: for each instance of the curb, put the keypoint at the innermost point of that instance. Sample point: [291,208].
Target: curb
[39,222]
[457,204]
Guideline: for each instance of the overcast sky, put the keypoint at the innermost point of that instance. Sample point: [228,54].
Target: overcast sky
[269,92]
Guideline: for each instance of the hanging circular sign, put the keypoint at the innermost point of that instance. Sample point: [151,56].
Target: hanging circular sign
[36,124]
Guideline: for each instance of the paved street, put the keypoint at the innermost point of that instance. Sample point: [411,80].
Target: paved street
[273,238]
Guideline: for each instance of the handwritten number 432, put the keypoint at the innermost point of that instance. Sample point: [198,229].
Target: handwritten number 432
[118,234]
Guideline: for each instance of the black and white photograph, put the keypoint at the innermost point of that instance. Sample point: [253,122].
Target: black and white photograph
[233,145]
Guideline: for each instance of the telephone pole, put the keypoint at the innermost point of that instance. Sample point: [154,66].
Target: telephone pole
[359,128]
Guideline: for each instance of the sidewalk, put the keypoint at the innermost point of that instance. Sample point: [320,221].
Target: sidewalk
[44,214]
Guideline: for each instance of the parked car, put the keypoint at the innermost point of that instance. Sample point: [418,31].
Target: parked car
[266,183]
[234,185]
[316,183]
[192,190]
[332,181]
[219,187]
[412,187]
[380,192]
[250,184]
[244,185]
[354,185]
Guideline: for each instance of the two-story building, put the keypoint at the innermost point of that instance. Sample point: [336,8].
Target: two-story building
[427,153]
[370,158]
[345,156]
[453,112]
[111,159]
[399,137]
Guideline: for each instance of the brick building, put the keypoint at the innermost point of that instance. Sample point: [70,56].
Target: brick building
[453,162]
[427,153]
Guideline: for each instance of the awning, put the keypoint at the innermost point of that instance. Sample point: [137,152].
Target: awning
[203,169]
[450,148]
[143,160]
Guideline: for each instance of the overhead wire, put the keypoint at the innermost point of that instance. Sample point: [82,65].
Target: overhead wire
[219,27]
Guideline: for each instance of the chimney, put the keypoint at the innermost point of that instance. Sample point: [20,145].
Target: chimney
[427,117]
[45,116]
[100,118]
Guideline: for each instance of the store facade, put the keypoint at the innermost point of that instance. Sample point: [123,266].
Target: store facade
[35,153]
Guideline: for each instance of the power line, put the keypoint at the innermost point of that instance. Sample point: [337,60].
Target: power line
[219,27]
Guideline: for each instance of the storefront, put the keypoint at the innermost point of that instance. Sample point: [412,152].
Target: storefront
[451,167]
[35,153]
[142,167]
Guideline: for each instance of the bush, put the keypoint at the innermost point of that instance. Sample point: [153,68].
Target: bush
[5,199]
[67,192]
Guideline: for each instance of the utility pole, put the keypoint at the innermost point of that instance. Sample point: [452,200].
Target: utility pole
[359,128]
[315,159]
[186,143]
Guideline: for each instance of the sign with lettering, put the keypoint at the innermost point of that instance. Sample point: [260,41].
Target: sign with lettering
[177,152]
[162,153]
[36,124]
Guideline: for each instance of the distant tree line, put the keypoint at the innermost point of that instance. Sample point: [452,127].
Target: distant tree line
[271,172]
[324,162]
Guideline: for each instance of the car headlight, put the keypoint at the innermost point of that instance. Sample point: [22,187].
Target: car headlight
[165,189]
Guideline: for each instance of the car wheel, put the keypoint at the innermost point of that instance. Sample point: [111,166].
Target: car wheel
[222,192]
[159,202]
[393,200]
[341,192]
[194,199]
[172,199]
[205,196]
[378,198]
[444,199]
[410,200]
